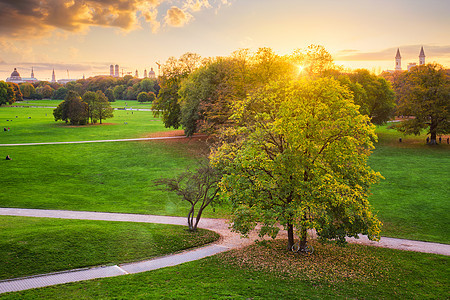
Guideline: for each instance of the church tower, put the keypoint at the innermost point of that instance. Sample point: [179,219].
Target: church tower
[421,57]
[398,61]
[32,72]
[53,76]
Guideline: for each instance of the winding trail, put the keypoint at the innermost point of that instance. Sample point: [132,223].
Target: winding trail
[227,241]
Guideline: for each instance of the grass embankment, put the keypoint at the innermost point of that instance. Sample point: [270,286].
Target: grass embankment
[269,272]
[34,125]
[412,201]
[31,246]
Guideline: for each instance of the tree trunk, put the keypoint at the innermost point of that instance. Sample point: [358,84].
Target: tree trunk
[303,236]
[191,219]
[290,236]
[433,127]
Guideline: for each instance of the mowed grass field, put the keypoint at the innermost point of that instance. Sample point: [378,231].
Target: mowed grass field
[30,246]
[412,201]
[32,125]
[268,271]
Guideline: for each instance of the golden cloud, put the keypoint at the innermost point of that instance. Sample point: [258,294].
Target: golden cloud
[176,17]
[25,19]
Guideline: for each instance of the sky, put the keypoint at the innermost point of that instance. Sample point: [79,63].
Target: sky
[84,37]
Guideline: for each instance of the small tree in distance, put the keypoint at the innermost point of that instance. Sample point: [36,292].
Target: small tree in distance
[196,187]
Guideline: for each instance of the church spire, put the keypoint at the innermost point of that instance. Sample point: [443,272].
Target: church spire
[53,76]
[398,61]
[421,57]
[32,72]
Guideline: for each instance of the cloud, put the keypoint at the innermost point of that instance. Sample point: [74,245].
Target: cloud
[197,5]
[407,52]
[177,17]
[24,19]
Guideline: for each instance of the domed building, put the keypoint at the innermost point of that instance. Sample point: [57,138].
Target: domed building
[15,77]
[151,74]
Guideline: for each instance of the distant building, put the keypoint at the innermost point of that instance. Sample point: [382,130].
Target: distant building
[116,71]
[53,76]
[111,70]
[15,77]
[398,60]
[151,74]
[136,74]
[145,73]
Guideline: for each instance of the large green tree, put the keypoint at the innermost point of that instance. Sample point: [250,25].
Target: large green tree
[174,71]
[376,99]
[73,109]
[298,157]
[98,107]
[27,90]
[425,95]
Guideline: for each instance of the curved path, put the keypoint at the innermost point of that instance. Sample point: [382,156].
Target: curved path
[228,240]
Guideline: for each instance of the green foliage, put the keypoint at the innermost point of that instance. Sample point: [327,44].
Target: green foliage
[99,107]
[143,97]
[298,158]
[207,94]
[30,246]
[17,93]
[110,95]
[174,72]
[376,99]
[425,95]
[73,109]
[60,93]
[6,93]
[27,90]
[46,91]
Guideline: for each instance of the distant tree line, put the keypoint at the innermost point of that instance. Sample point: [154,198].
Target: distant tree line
[122,88]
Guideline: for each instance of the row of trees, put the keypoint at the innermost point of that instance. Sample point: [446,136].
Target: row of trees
[197,94]
[9,93]
[127,88]
[77,110]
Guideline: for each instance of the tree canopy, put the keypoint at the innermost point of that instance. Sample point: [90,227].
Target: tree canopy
[297,157]
[174,71]
[424,94]
[6,93]
[73,109]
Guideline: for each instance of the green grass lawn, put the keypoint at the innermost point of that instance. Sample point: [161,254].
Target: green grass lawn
[268,272]
[413,200]
[37,125]
[116,104]
[112,177]
[31,246]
